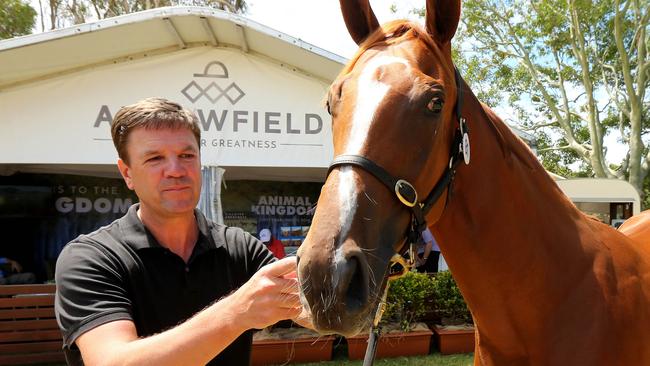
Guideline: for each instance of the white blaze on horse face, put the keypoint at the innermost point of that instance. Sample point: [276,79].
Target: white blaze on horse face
[347,207]
[370,94]
[347,201]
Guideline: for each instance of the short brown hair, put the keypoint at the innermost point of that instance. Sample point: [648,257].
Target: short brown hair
[151,113]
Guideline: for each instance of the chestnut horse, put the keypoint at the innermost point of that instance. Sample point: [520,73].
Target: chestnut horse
[546,284]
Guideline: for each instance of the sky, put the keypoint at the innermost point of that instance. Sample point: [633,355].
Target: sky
[320,22]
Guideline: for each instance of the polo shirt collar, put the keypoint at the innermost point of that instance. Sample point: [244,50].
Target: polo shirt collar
[205,228]
[137,236]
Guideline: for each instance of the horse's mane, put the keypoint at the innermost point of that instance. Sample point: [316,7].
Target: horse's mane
[511,145]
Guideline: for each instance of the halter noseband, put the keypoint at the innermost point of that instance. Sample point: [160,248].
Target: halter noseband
[408,196]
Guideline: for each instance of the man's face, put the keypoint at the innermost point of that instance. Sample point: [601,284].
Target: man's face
[164,170]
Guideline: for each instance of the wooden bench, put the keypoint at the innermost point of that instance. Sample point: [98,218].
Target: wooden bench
[28,330]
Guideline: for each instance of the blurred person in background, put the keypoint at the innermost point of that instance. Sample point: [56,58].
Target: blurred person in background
[272,243]
[11,273]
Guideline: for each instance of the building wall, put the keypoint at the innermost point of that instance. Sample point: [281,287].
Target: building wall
[252,112]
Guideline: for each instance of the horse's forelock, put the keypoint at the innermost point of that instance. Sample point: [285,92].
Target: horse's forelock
[390,33]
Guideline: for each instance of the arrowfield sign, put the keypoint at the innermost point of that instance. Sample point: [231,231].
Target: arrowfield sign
[252,112]
[194,91]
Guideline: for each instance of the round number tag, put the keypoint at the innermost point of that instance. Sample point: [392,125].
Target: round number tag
[466,148]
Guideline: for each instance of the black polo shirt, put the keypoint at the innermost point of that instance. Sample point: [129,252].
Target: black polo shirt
[121,272]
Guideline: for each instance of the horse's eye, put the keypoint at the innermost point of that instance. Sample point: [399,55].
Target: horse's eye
[327,105]
[435,105]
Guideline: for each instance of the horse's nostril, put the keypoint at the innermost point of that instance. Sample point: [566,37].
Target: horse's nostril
[297,260]
[356,295]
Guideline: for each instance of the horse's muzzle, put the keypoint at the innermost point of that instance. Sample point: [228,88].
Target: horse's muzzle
[337,289]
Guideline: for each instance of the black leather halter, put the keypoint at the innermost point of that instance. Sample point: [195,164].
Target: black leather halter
[407,195]
[404,191]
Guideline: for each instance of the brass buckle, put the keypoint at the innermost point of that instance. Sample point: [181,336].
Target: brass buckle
[401,198]
[406,265]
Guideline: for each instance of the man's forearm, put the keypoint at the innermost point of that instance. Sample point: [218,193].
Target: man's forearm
[194,342]
[427,250]
[265,299]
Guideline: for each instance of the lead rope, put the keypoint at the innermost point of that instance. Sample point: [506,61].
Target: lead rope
[375,331]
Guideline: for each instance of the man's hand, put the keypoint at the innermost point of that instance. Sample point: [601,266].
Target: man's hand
[419,261]
[304,319]
[269,296]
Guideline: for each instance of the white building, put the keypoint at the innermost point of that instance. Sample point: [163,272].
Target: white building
[258,94]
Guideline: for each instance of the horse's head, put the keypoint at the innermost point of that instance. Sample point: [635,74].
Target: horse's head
[394,105]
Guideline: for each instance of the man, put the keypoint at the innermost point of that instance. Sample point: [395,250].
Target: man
[162,285]
[272,244]
[428,253]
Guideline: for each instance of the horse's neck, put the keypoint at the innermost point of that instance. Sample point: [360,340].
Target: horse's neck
[508,231]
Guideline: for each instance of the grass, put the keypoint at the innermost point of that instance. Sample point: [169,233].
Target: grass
[340,358]
[435,359]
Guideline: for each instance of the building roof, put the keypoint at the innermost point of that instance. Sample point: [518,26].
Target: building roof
[600,190]
[527,137]
[153,32]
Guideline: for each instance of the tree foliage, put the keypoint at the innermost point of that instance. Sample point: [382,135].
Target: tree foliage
[16,18]
[574,71]
[62,13]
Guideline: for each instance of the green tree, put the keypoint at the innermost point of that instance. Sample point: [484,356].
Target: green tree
[16,18]
[66,12]
[574,70]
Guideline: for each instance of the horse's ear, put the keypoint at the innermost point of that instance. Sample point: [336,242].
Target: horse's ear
[359,18]
[442,19]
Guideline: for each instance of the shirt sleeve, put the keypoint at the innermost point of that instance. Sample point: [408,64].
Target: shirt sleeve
[90,290]
[248,254]
[259,254]
[427,236]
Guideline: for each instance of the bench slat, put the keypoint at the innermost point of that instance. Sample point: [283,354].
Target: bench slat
[30,336]
[13,325]
[27,313]
[28,330]
[32,358]
[10,290]
[25,301]
[31,347]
